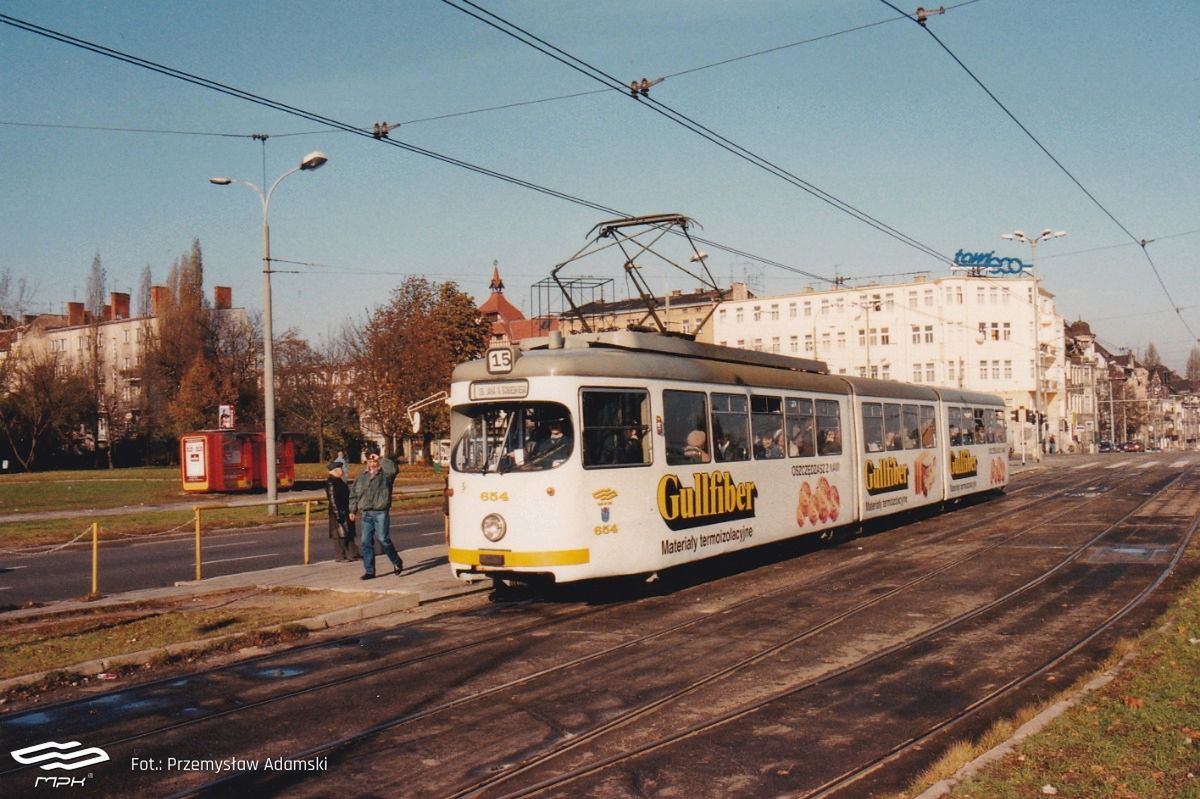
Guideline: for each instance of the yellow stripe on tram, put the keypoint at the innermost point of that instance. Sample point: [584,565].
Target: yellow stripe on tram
[501,557]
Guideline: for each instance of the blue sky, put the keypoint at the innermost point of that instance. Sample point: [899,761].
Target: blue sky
[882,118]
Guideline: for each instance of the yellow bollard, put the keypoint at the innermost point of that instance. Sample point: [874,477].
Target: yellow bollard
[95,560]
[197,509]
[307,527]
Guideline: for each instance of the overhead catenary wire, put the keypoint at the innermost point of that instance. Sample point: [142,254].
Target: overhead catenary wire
[531,40]
[341,126]
[1140,242]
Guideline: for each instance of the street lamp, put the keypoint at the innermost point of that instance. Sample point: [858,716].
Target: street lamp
[1033,242]
[310,162]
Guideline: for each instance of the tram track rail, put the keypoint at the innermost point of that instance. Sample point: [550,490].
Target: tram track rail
[570,617]
[849,778]
[649,708]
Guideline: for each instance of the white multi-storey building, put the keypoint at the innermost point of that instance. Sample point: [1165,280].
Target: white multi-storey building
[978,333]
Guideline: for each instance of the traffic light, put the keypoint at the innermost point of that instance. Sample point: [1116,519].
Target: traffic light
[1015,415]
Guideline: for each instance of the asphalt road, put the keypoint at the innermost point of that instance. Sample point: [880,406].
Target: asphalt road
[163,560]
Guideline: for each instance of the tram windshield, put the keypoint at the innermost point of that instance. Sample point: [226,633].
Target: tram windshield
[513,437]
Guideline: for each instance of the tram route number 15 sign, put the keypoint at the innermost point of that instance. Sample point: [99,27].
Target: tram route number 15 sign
[499,360]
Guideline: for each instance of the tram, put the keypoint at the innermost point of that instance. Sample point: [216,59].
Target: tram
[603,454]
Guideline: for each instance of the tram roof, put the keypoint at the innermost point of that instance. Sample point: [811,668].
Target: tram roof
[628,353]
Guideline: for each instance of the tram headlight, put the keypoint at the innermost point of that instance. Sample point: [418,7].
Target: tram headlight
[494,527]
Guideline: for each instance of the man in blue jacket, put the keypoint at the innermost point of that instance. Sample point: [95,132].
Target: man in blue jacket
[371,499]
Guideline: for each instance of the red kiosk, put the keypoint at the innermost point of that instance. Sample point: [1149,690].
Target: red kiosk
[224,460]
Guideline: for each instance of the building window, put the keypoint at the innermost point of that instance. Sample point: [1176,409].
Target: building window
[862,337]
[884,336]
[791,310]
[1008,370]
[775,344]
[774,313]
[824,307]
[979,294]
[912,299]
[928,334]
[930,376]
[995,330]
[825,342]
[1006,331]
[721,315]
[808,342]
[885,373]
[983,370]
[916,373]
[807,308]
[757,345]
[949,371]
[794,344]
[994,295]
[757,313]
[741,317]
[928,298]
[916,334]
[841,339]
[889,301]
[741,343]
[995,370]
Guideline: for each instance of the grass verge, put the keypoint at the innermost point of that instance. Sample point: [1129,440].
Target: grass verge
[58,640]
[1138,737]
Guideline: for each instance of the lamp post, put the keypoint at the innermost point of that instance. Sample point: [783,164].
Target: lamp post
[310,162]
[1033,242]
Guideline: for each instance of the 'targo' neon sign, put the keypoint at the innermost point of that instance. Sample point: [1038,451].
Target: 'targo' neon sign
[990,263]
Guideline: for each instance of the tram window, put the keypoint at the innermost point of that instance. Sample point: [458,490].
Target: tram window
[801,425]
[912,427]
[955,426]
[730,427]
[615,427]
[872,413]
[685,425]
[999,428]
[928,427]
[968,425]
[766,422]
[507,436]
[829,428]
[893,428]
[981,431]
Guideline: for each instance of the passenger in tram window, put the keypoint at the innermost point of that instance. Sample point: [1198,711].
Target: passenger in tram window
[553,448]
[767,447]
[981,436]
[830,442]
[801,442]
[696,450]
[955,436]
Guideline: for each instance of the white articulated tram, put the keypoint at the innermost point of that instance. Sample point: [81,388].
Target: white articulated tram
[624,453]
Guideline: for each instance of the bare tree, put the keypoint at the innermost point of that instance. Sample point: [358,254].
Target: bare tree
[46,401]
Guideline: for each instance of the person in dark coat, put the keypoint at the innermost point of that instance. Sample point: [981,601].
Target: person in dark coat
[341,528]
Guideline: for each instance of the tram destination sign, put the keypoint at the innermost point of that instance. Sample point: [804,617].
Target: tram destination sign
[499,389]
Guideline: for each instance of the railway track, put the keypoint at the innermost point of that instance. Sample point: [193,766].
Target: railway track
[474,641]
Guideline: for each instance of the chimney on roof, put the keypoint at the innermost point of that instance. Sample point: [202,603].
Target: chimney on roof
[119,301]
[222,298]
[158,299]
[75,314]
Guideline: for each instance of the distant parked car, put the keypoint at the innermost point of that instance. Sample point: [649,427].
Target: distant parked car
[1106,446]
[1133,446]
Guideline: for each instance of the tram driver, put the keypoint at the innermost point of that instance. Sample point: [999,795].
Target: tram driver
[553,447]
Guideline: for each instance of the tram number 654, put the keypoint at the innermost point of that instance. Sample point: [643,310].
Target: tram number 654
[604,529]
[493,496]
